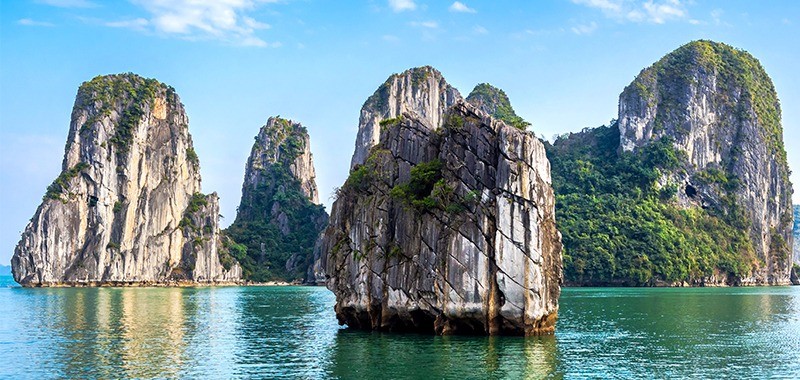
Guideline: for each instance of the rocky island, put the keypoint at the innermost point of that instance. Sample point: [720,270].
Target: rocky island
[446,223]
[127,208]
[279,217]
[690,186]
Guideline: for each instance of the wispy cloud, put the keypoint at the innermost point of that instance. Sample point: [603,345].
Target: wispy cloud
[31,22]
[458,6]
[222,20]
[479,30]
[136,24]
[68,3]
[402,5]
[652,11]
[425,24]
[585,28]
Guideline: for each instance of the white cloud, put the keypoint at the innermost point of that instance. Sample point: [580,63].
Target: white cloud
[426,24]
[585,29]
[390,38]
[30,22]
[458,6]
[402,5]
[652,11]
[222,20]
[68,3]
[136,24]
[479,30]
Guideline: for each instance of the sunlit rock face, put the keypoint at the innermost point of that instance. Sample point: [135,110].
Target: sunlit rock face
[446,226]
[719,107]
[127,207]
[421,91]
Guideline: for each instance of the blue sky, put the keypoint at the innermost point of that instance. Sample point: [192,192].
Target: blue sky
[234,63]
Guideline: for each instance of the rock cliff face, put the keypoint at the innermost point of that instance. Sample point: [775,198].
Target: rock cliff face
[422,91]
[127,208]
[796,249]
[279,217]
[446,226]
[718,106]
[796,233]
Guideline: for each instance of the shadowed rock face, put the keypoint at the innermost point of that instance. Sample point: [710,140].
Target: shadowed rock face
[127,207]
[719,106]
[421,90]
[279,218]
[447,229]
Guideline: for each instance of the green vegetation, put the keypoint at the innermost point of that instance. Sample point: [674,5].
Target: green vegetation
[737,72]
[263,248]
[197,201]
[61,182]
[230,252]
[389,122]
[619,226]
[496,102]
[418,191]
[191,156]
[128,91]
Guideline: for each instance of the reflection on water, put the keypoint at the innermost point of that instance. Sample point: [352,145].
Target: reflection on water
[367,355]
[291,332]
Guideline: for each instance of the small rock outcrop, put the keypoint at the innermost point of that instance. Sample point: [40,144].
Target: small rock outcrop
[718,106]
[279,217]
[447,226]
[127,207]
[421,90]
[494,102]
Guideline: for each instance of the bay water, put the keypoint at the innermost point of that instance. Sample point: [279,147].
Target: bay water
[291,332]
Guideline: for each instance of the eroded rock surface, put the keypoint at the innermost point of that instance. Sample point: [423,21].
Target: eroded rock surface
[421,90]
[446,226]
[719,106]
[127,207]
[279,217]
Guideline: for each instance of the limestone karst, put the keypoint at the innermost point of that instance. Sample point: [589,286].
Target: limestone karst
[689,187]
[446,222]
[279,217]
[127,208]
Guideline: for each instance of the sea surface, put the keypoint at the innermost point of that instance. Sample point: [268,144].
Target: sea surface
[291,332]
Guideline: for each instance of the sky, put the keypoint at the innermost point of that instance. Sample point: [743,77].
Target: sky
[235,63]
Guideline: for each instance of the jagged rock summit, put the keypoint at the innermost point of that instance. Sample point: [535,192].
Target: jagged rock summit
[279,217]
[446,223]
[421,90]
[718,106]
[127,207]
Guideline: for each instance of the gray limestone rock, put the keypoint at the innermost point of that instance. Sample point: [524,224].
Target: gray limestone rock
[719,106]
[446,226]
[421,91]
[127,208]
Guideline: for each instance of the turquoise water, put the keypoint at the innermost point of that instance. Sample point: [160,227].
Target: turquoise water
[291,332]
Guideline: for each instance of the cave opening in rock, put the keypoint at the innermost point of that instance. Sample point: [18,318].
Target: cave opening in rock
[691,192]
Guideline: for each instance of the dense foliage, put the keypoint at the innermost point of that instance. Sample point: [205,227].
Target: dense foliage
[496,102]
[128,93]
[743,83]
[621,227]
[263,249]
